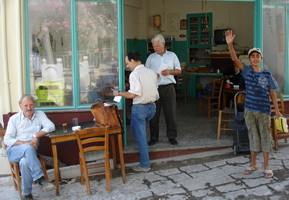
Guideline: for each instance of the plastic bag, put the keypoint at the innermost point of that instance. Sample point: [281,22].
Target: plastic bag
[281,124]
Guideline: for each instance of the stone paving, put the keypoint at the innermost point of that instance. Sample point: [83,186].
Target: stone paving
[216,175]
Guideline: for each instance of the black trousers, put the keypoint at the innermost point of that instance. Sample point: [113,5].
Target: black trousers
[167,101]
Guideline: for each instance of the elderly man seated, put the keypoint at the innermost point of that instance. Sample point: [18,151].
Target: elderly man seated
[22,134]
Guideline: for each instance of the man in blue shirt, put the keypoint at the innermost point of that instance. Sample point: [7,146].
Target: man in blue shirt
[22,134]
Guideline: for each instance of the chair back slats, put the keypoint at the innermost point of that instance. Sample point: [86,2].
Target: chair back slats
[217,87]
[182,84]
[213,102]
[280,103]
[276,133]
[92,139]
[183,80]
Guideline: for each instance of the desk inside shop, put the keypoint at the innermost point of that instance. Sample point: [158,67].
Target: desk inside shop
[68,148]
[199,80]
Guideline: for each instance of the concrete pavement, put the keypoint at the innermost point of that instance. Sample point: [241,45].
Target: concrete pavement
[214,175]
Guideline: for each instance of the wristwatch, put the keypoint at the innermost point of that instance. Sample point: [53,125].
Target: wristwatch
[34,135]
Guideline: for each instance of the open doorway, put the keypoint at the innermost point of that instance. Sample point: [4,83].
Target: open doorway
[138,20]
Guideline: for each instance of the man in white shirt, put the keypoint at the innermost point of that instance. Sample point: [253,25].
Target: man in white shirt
[143,90]
[22,134]
[166,64]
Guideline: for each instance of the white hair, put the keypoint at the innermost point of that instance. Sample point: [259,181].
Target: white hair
[159,38]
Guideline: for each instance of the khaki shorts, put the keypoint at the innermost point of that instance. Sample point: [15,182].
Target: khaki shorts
[258,125]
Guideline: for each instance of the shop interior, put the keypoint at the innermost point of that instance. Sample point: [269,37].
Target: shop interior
[204,58]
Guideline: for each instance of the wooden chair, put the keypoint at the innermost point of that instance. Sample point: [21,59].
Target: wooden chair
[15,172]
[182,86]
[226,116]
[213,101]
[16,176]
[93,144]
[2,133]
[276,134]
[109,116]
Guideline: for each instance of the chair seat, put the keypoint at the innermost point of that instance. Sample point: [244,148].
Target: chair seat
[229,110]
[94,155]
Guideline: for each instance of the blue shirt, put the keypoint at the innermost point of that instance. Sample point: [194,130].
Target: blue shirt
[169,60]
[258,85]
[22,129]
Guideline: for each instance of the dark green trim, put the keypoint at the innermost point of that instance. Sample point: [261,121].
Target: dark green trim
[74,57]
[121,65]
[286,67]
[258,24]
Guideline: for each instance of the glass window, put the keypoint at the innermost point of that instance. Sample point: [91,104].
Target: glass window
[274,34]
[73,51]
[97,50]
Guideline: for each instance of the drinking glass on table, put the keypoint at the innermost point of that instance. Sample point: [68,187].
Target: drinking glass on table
[64,127]
[75,121]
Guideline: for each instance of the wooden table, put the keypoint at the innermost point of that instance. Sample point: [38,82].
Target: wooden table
[58,137]
[229,91]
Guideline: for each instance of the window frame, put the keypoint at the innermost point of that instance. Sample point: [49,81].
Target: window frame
[75,92]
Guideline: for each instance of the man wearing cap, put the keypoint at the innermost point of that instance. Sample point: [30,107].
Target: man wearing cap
[259,89]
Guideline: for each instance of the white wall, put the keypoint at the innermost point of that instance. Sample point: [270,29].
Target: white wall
[235,15]
[12,63]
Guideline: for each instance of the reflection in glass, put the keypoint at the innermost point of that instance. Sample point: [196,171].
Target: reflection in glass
[274,17]
[50,52]
[97,50]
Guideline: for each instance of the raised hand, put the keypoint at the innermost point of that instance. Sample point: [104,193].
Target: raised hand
[230,36]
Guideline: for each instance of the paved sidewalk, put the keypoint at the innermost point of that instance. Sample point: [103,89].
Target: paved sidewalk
[214,175]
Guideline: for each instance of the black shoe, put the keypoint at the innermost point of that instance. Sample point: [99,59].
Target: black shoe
[27,197]
[173,141]
[40,180]
[152,142]
[45,184]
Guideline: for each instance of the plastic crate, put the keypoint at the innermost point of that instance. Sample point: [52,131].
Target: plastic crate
[50,93]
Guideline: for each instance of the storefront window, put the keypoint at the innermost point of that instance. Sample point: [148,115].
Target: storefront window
[73,51]
[274,35]
[97,50]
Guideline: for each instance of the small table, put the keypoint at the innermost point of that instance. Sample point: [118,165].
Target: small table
[229,91]
[58,136]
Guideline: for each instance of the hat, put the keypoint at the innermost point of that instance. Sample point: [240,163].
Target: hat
[255,50]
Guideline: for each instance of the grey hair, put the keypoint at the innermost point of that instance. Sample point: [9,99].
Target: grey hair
[28,96]
[159,38]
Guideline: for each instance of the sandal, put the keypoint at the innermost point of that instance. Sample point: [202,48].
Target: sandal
[268,173]
[250,170]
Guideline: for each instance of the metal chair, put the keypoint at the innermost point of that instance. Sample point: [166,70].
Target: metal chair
[93,144]
[213,101]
